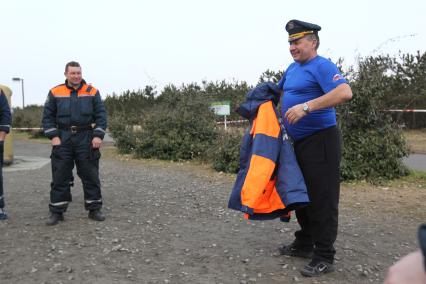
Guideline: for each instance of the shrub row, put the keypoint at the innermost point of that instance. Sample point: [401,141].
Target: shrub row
[177,124]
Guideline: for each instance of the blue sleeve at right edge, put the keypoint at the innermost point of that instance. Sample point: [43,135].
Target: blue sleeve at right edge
[280,84]
[422,241]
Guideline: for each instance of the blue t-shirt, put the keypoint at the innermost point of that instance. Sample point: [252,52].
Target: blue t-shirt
[303,82]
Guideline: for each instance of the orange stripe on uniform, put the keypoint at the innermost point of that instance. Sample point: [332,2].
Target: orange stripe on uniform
[270,200]
[258,177]
[60,91]
[265,116]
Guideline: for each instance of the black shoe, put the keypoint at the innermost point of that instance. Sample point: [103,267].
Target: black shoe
[295,250]
[96,215]
[54,219]
[317,268]
[3,215]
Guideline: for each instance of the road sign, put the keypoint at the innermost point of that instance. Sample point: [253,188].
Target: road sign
[221,108]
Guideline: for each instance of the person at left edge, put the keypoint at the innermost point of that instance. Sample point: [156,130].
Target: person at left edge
[70,111]
[5,122]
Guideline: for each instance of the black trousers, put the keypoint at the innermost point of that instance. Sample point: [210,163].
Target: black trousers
[319,158]
[75,149]
[1,175]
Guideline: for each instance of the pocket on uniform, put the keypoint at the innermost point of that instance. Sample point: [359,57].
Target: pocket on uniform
[64,107]
[86,105]
[95,154]
[56,153]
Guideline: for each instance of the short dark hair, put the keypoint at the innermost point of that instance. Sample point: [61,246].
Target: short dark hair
[72,64]
[314,36]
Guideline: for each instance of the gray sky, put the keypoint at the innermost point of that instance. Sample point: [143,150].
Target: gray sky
[128,44]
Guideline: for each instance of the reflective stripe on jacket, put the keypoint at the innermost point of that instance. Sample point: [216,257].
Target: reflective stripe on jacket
[259,190]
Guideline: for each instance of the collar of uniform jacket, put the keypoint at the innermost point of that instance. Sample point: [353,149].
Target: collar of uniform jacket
[262,93]
[79,87]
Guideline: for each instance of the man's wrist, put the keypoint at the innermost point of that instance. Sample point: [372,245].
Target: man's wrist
[306,107]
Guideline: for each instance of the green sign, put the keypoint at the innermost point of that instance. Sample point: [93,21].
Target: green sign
[221,108]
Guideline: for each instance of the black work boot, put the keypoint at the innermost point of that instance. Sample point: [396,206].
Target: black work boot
[295,250]
[54,219]
[3,215]
[317,268]
[96,215]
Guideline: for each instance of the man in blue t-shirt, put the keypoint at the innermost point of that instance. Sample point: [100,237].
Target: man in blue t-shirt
[312,86]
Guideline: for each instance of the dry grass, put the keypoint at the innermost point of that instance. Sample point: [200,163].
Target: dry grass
[26,135]
[416,140]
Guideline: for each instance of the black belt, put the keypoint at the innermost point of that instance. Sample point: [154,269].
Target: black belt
[75,129]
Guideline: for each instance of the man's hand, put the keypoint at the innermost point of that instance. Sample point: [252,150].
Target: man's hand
[96,142]
[408,269]
[56,141]
[2,135]
[294,114]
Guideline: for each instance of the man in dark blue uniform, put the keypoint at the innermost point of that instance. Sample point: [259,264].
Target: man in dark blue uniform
[74,118]
[312,85]
[5,121]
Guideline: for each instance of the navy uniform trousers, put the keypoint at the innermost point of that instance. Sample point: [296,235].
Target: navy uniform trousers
[319,158]
[75,148]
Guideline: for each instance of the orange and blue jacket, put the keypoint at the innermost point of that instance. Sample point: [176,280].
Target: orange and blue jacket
[66,107]
[269,183]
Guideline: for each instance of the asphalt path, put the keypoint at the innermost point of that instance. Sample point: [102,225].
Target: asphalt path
[416,162]
[413,161]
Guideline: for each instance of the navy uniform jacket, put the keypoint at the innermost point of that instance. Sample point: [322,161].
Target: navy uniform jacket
[66,107]
[5,116]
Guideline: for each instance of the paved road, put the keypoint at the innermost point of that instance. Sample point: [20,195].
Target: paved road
[416,162]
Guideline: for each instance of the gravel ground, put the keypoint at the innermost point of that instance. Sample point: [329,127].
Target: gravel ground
[168,223]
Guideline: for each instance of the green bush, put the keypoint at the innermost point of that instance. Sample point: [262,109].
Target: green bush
[225,152]
[29,117]
[373,145]
[177,124]
[123,134]
[181,130]
[373,155]
[131,104]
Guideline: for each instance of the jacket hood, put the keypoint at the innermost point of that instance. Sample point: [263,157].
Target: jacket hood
[262,93]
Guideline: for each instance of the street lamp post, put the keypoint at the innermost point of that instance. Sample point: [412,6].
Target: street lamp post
[22,84]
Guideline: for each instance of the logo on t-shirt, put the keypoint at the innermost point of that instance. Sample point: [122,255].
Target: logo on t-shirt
[337,77]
